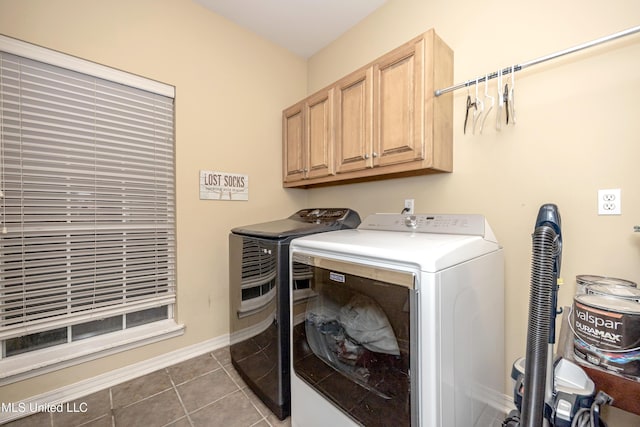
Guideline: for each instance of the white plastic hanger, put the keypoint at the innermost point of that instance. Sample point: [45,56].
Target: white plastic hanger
[512,96]
[477,113]
[487,97]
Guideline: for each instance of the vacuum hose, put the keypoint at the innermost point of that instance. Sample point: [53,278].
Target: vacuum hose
[544,270]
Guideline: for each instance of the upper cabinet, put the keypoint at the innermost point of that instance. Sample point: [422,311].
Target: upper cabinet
[307,130]
[381,121]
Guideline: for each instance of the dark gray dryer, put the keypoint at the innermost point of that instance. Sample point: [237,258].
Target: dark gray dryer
[259,298]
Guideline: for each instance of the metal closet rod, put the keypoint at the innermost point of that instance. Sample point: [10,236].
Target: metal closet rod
[519,67]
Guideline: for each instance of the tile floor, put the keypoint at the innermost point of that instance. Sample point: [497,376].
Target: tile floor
[204,391]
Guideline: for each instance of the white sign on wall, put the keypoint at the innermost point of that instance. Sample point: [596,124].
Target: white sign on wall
[223,186]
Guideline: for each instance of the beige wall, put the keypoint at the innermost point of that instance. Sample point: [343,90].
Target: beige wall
[578,130]
[231,87]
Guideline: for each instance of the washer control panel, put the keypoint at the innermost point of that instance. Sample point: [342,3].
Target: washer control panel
[467,224]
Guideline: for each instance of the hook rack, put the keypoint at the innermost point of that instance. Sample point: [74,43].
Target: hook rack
[515,68]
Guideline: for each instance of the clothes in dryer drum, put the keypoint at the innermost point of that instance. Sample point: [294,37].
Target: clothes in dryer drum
[351,340]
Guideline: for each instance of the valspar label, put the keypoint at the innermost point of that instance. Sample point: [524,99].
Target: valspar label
[608,333]
[599,327]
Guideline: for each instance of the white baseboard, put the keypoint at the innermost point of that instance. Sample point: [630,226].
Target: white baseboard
[499,403]
[109,379]
[505,404]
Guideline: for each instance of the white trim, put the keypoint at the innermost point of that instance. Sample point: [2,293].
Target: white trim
[503,403]
[112,378]
[37,53]
[28,365]
[500,402]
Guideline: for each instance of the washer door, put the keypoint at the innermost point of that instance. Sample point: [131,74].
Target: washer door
[352,338]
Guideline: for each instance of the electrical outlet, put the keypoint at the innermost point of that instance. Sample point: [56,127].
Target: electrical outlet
[609,202]
[408,206]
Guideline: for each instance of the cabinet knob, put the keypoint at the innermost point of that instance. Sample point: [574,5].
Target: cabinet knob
[366,156]
[375,154]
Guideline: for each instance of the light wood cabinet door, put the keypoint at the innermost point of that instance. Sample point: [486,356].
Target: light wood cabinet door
[354,119]
[293,141]
[398,134]
[308,134]
[319,134]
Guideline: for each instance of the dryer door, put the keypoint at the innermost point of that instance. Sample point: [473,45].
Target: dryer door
[353,335]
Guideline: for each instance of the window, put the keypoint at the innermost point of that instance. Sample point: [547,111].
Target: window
[87,200]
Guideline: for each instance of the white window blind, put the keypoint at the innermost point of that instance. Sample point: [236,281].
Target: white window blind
[87,208]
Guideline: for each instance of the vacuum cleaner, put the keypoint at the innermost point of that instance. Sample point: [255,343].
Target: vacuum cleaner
[550,391]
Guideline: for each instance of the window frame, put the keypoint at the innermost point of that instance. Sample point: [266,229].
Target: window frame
[31,363]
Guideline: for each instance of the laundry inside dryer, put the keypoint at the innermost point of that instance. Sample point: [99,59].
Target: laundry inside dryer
[352,345]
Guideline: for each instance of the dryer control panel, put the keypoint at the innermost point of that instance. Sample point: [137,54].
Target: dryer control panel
[327,215]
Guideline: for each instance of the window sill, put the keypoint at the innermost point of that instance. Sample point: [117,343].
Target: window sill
[21,367]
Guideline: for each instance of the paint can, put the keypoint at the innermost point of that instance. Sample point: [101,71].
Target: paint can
[585,280]
[607,333]
[615,291]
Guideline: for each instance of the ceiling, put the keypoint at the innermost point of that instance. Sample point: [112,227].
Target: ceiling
[302,26]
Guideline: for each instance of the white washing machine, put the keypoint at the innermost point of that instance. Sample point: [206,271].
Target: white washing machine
[401,322]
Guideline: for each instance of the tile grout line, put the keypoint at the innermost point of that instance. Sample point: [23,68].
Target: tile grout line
[231,378]
[175,389]
[216,401]
[149,396]
[242,390]
[263,350]
[111,412]
[146,398]
[195,378]
[265,417]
